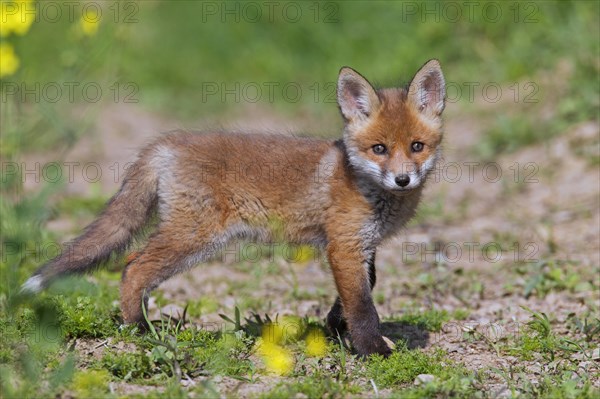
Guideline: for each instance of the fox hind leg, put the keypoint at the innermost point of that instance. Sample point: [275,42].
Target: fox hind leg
[163,257]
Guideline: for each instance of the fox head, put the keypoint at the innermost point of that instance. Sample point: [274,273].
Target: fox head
[393,136]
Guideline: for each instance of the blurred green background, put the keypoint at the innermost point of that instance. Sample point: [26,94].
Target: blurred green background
[173,51]
[192,61]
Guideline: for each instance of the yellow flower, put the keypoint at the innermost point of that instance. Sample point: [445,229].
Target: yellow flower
[90,21]
[9,62]
[288,329]
[276,358]
[16,16]
[315,343]
[273,333]
[292,327]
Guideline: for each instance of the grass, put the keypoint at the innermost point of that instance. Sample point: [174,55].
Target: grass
[429,320]
[312,387]
[171,352]
[91,383]
[545,276]
[403,366]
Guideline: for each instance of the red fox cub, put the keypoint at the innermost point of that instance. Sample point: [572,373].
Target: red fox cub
[343,196]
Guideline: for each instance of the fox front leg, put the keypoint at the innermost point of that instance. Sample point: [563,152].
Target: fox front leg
[335,318]
[354,280]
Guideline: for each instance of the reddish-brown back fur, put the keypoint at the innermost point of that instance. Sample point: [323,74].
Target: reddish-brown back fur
[222,186]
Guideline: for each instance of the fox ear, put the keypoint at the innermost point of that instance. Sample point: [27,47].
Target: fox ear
[427,90]
[356,97]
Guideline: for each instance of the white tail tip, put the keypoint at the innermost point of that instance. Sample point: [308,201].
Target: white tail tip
[33,285]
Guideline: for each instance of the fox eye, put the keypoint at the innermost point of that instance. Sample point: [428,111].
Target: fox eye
[379,149]
[416,146]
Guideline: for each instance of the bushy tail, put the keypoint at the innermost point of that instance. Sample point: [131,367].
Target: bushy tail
[124,216]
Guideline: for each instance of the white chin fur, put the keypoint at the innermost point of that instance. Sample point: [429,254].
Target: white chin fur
[32,285]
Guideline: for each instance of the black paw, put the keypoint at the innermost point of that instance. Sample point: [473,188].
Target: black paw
[374,345]
[335,320]
[336,325]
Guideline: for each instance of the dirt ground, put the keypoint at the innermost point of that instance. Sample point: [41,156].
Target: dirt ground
[459,253]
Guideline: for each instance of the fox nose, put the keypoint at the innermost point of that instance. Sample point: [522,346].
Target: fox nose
[403,180]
